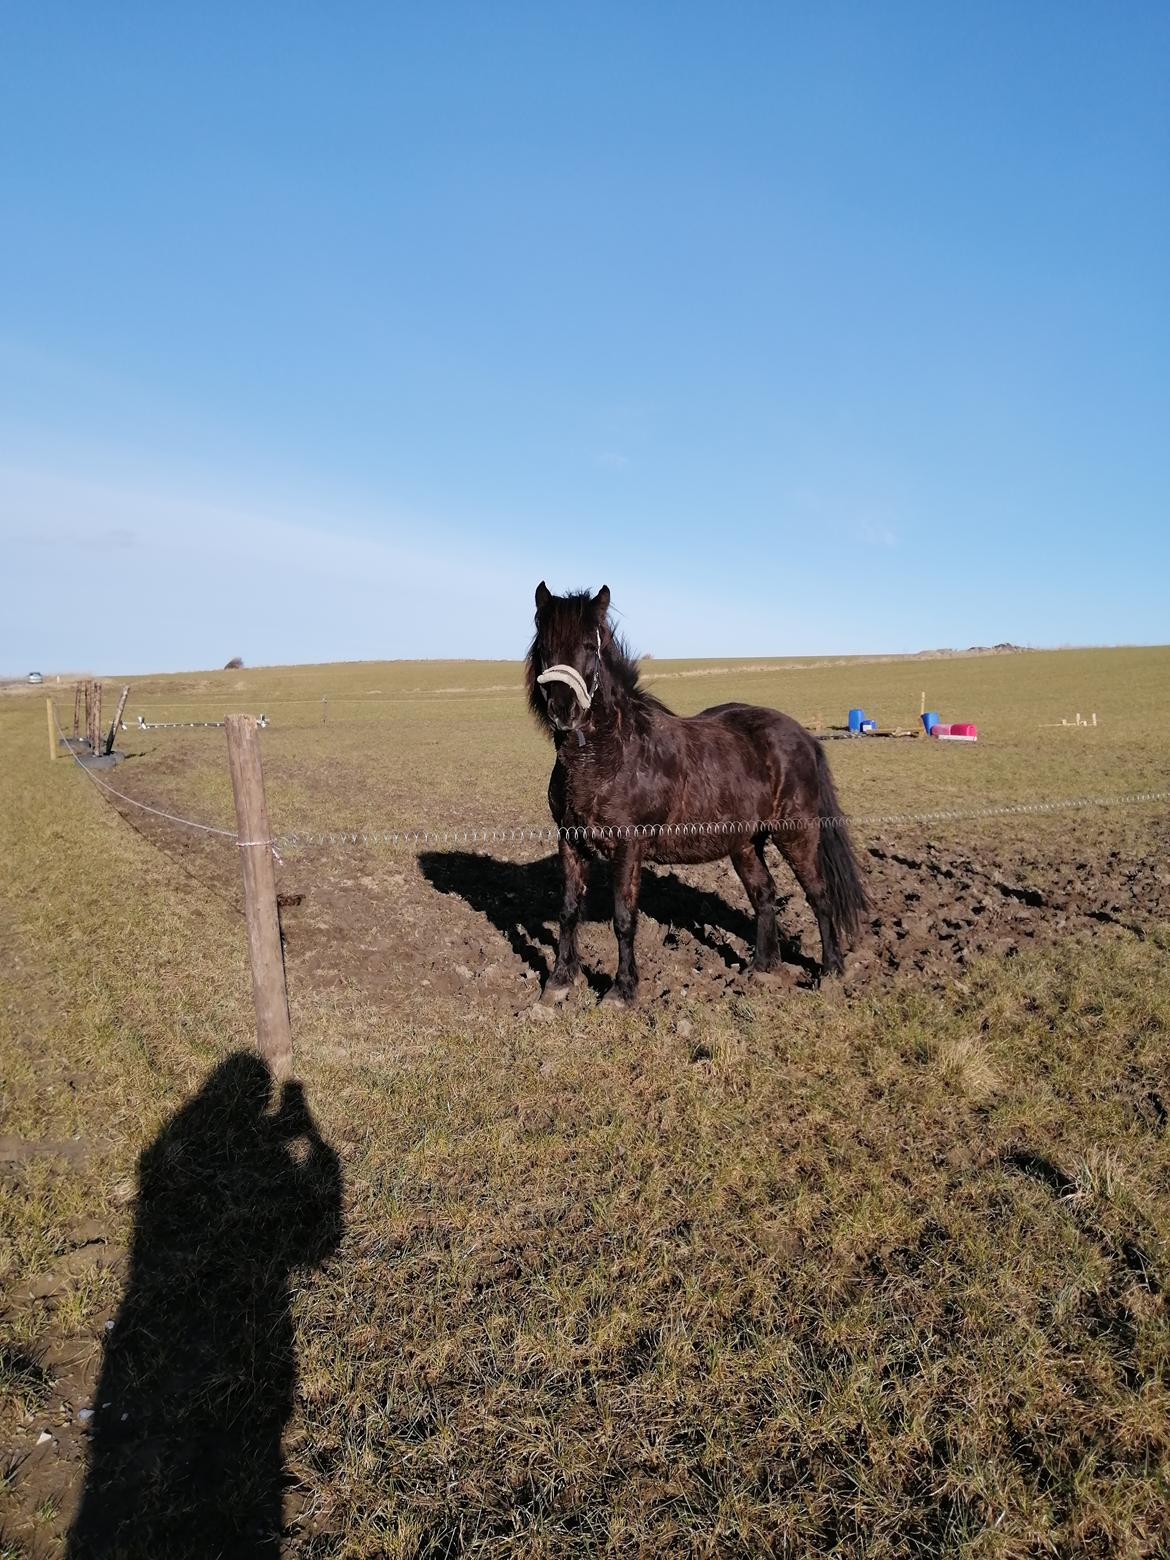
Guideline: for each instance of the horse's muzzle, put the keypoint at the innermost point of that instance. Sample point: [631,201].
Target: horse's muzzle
[571,677]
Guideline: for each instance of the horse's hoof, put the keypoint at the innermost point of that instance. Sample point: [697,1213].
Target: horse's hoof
[761,977]
[614,999]
[553,996]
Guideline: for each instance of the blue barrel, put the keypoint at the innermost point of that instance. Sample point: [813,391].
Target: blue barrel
[855,719]
[929,721]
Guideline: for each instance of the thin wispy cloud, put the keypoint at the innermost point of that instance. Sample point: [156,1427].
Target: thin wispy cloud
[842,509]
[208,576]
[101,540]
[876,534]
[203,571]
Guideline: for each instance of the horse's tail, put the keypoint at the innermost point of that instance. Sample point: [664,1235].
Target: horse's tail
[848,901]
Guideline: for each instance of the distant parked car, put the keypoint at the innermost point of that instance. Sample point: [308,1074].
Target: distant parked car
[35,677]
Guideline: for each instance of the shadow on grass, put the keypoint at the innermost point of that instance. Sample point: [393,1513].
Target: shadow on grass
[521,900]
[199,1372]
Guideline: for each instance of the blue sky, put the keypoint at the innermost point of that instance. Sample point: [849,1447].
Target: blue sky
[327,331]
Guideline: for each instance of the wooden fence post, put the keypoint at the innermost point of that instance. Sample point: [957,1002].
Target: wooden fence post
[77,710]
[117,721]
[273,1030]
[95,729]
[88,689]
[52,728]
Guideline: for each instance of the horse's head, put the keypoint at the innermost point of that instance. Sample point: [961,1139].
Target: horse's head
[564,665]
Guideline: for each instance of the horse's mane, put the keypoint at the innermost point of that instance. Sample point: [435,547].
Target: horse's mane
[625,671]
[574,622]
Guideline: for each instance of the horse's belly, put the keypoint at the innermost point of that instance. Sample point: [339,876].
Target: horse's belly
[668,848]
[685,849]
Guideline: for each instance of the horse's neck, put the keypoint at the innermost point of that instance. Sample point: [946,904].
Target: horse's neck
[612,725]
[591,762]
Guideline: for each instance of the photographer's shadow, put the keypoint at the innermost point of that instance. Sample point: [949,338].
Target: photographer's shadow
[199,1372]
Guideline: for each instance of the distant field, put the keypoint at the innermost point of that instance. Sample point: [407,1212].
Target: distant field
[873,1269]
[438,742]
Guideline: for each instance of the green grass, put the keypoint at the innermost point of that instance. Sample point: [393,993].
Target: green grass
[790,1273]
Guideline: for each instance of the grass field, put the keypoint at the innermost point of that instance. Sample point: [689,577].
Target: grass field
[876,1269]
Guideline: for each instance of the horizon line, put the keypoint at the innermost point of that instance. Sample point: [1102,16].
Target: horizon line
[971,652]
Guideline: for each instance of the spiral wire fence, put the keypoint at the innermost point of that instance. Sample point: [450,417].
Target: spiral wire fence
[587,834]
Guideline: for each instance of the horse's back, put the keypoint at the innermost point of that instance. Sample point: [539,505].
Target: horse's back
[786,750]
[757,720]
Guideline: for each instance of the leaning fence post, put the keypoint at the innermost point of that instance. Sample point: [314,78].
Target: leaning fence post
[77,710]
[273,1030]
[52,728]
[117,721]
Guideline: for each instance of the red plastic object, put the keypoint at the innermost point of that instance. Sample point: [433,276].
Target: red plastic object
[965,729]
[939,730]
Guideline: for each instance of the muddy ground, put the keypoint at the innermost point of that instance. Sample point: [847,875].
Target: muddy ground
[460,935]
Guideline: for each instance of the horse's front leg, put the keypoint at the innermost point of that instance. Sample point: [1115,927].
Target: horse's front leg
[568,964]
[627,880]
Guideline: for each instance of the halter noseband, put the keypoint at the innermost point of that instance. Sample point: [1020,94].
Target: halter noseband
[571,677]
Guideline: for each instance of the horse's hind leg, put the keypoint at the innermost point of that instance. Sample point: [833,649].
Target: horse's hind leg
[748,861]
[568,965]
[627,880]
[801,848]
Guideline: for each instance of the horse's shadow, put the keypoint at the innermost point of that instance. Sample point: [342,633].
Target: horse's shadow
[522,899]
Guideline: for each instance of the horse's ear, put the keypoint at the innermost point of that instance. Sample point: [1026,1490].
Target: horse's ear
[601,603]
[543,596]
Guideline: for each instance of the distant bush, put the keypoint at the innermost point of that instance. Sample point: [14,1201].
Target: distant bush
[235,664]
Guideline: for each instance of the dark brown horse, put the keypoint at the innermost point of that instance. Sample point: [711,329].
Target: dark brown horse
[632,780]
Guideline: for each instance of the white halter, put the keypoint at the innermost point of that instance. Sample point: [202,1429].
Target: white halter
[573,679]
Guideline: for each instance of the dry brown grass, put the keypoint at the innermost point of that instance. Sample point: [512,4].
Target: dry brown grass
[792,1273]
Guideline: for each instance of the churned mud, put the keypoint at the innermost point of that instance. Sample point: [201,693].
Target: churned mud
[458,934]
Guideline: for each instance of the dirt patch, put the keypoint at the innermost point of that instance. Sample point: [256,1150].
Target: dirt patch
[52,1388]
[464,936]
[19,1151]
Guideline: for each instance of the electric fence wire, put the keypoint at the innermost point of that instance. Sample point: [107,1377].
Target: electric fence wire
[585,834]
